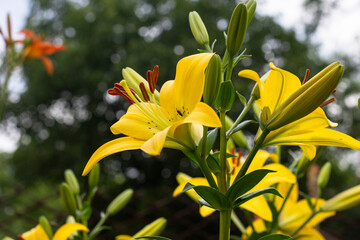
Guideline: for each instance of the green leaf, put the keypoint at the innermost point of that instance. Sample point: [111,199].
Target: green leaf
[276,237]
[211,138]
[191,156]
[246,183]
[228,155]
[213,44]
[241,98]
[153,237]
[242,125]
[213,164]
[247,197]
[226,97]
[216,199]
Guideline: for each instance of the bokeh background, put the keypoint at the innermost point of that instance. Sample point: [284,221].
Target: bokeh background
[55,123]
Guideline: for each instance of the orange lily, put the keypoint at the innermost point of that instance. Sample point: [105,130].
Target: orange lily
[37,48]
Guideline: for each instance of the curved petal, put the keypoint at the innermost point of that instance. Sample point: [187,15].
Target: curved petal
[203,115]
[189,81]
[64,232]
[191,193]
[309,233]
[206,211]
[259,207]
[258,161]
[35,234]
[167,97]
[114,146]
[48,65]
[250,74]
[154,145]
[123,237]
[309,150]
[136,124]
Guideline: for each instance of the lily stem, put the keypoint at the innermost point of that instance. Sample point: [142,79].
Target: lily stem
[305,222]
[225,221]
[4,92]
[229,68]
[252,154]
[241,116]
[223,165]
[238,223]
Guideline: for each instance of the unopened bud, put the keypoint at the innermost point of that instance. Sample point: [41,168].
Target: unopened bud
[306,98]
[119,202]
[226,97]
[68,199]
[343,201]
[264,116]
[133,79]
[213,79]
[94,175]
[44,223]
[72,181]
[198,29]
[324,175]
[152,229]
[237,29]
[251,7]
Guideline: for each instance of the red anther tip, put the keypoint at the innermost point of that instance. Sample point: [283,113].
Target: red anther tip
[334,91]
[306,77]
[144,92]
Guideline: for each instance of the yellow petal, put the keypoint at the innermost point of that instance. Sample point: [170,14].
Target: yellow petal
[259,207]
[154,145]
[206,211]
[189,81]
[167,97]
[309,233]
[283,188]
[309,150]
[123,237]
[250,74]
[135,124]
[191,193]
[64,232]
[203,115]
[114,146]
[35,234]
[259,226]
[259,160]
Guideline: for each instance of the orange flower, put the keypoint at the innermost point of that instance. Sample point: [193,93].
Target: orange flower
[37,48]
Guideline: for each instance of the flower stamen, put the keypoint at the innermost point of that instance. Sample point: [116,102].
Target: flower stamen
[306,77]
[152,77]
[144,92]
[327,102]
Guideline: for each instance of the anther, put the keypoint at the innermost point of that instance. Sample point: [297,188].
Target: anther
[118,90]
[144,92]
[240,154]
[306,76]
[327,102]
[152,77]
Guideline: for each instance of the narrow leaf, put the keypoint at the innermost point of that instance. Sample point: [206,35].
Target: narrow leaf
[247,197]
[211,138]
[213,164]
[242,125]
[191,156]
[246,183]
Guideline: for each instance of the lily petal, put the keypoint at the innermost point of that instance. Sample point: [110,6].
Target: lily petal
[48,65]
[189,81]
[35,234]
[167,97]
[123,237]
[114,146]
[309,233]
[259,206]
[64,232]
[203,115]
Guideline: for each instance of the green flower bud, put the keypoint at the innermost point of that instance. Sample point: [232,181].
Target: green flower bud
[343,201]
[72,181]
[264,116]
[226,97]
[307,98]
[46,226]
[133,79]
[324,175]
[68,199]
[238,137]
[94,175]
[237,29]
[198,29]
[70,219]
[7,238]
[213,79]
[251,7]
[119,202]
[152,229]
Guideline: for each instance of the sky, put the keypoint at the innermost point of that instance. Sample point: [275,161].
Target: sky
[339,31]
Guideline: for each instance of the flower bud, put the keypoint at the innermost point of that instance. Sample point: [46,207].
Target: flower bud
[213,79]
[343,201]
[44,223]
[133,79]
[94,175]
[119,202]
[324,175]
[237,29]
[198,29]
[68,199]
[306,98]
[152,229]
[251,7]
[226,97]
[238,137]
[264,116]
[72,181]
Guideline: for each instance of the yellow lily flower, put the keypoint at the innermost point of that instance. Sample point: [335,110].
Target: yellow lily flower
[257,205]
[38,233]
[292,216]
[276,87]
[173,123]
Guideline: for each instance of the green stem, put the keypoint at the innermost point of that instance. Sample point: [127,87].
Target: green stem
[238,223]
[223,165]
[304,223]
[252,154]
[241,116]
[206,171]
[208,48]
[96,230]
[286,198]
[4,92]
[229,69]
[225,221]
